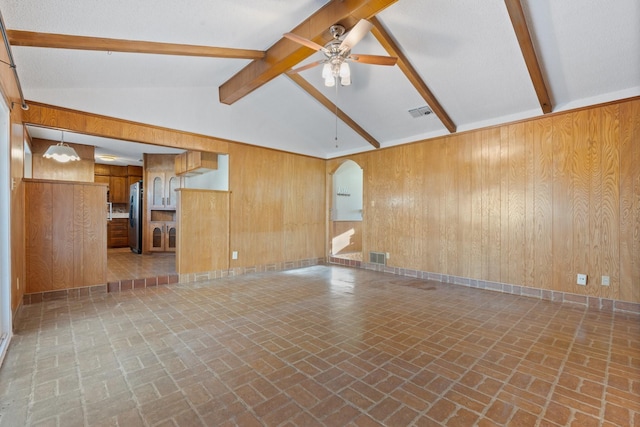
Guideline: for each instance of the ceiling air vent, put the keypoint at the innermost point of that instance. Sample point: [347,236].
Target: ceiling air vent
[420,111]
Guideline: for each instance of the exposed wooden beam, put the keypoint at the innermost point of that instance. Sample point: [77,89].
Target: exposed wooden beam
[285,54]
[390,45]
[514,7]
[311,90]
[64,41]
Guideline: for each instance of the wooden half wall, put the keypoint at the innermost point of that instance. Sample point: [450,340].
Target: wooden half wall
[532,203]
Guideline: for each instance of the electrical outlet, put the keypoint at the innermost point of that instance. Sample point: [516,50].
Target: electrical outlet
[388,255]
[234,255]
[605,281]
[582,279]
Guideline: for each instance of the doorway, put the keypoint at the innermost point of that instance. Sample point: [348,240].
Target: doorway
[5,230]
[346,212]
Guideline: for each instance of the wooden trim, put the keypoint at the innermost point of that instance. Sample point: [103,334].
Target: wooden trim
[54,117]
[64,41]
[57,181]
[285,54]
[311,90]
[387,41]
[514,7]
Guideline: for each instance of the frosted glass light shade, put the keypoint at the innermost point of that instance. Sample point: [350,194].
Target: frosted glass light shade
[61,153]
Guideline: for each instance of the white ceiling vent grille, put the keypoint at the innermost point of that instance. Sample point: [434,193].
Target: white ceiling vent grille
[420,111]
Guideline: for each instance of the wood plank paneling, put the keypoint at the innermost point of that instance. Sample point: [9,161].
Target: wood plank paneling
[610,211]
[494,206]
[478,216]
[203,231]
[594,158]
[581,185]
[277,206]
[94,236]
[630,201]
[63,236]
[542,177]
[562,201]
[39,236]
[557,196]
[516,204]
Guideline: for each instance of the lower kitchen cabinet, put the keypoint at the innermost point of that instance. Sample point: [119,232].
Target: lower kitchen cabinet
[162,236]
[118,233]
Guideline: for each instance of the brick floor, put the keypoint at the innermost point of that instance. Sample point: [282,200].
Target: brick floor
[323,345]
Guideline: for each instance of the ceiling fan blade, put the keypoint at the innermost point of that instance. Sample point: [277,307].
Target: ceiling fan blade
[305,42]
[306,67]
[373,59]
[356,34]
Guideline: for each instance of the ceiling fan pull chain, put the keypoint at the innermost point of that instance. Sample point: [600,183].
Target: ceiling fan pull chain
[336,139]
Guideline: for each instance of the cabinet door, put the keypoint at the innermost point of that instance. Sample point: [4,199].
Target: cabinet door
[171,184]
[156,193]
[170,238]
[118,189]
[156,236]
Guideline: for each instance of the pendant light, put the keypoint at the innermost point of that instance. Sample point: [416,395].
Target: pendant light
[61,152]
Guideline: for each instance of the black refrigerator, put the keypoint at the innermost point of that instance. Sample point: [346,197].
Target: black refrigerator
[135,217]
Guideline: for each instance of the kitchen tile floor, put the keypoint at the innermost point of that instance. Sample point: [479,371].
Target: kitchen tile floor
[319,346]
[124,264]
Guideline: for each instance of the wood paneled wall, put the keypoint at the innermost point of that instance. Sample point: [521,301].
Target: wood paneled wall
[532,203]
[354,233]
[203,231]
[66,235]
[81,170]
[18,267]
[277,206]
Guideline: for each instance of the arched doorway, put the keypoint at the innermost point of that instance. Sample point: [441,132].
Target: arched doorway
[346,212]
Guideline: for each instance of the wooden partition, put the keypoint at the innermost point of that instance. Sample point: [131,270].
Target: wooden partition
[277,206]
[66,235]
[532,203]
[203,231]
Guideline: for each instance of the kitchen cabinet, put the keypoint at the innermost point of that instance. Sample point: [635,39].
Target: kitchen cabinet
[118,191]
[192,163]
[118,233]
[116,178]
[162,187]
[162,236]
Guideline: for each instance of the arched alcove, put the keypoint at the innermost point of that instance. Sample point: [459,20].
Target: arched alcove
[346,211]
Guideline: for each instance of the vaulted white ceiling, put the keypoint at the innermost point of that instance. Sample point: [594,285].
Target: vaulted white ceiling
[466,52]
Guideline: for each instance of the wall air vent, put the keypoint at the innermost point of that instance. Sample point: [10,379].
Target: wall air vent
[420,111]
[377,258]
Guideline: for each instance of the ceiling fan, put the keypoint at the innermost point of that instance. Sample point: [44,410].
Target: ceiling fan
[338,53]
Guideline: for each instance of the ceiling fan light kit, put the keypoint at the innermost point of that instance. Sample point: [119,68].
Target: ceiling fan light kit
[337,53]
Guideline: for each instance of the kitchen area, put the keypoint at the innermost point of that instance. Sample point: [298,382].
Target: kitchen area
[136,207]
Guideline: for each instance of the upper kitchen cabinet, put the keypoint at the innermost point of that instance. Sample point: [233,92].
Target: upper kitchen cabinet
[192,163]
[162,190]
[117,178]
[160,182]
